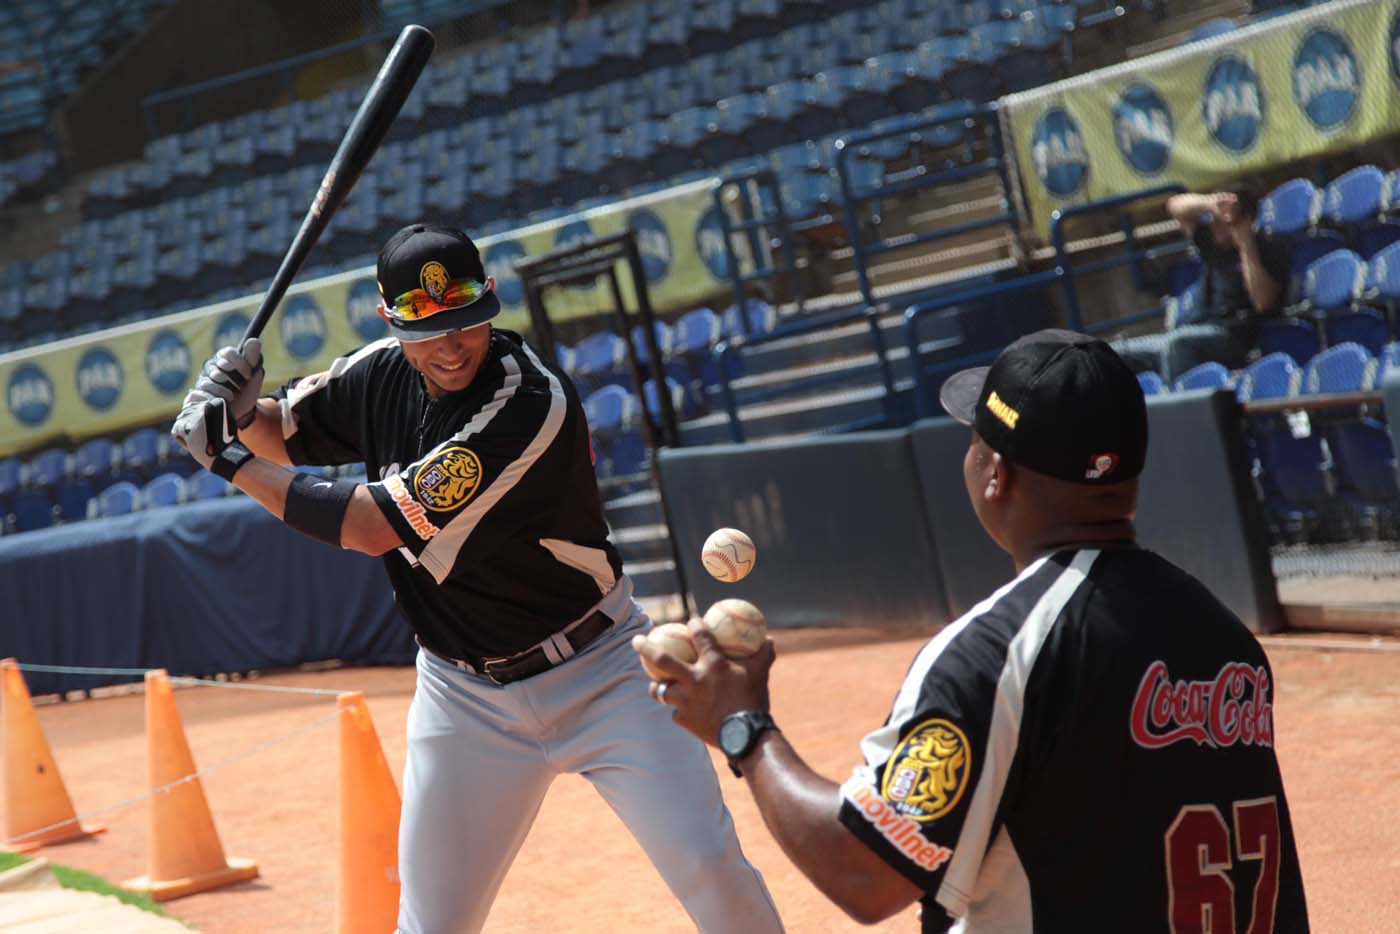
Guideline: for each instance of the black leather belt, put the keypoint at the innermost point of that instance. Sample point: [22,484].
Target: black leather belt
[537,660]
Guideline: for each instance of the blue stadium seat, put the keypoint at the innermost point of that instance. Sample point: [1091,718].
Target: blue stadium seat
[11,475]
[1152,383]
[143,450]
[664,341]
[205,485]
[167,489]
[693,335]
[32,510]
[1289,209]
[1333,282]
[1303,252]
[1363,326]
[1295,337]
[1203,376]
[762,318]
[601,358]
[96,460]
[1212,28]
[116,500]
[1387,361]
[612,418]
[49,468]
[1359,443]
[683,403]
[1293,472]
[1373,238]
[1353,197]
[71,500]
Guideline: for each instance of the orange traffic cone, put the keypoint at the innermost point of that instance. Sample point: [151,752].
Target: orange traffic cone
[37,806]
[367,892]
[183,855]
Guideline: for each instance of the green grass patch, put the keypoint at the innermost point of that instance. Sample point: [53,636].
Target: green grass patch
[71,878]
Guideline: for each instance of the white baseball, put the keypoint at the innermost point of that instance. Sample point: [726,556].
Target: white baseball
[728,555]
[673,639]
[738,625]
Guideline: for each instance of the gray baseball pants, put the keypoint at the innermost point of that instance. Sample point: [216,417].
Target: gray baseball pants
[481,756]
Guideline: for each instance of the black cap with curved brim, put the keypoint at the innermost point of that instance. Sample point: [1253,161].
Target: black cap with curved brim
[1061,403]
[449,253]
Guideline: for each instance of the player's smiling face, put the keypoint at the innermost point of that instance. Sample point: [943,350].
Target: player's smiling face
[449,362]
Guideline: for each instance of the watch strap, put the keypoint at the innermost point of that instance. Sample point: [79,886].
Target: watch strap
[758,723]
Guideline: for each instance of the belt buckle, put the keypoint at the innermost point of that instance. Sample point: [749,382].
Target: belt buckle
[489,666]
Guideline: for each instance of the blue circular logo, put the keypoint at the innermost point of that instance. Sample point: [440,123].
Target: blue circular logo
[100,379]
[302,326]
[230,329]
[30,394]
[653,243]
[1326,80]
[500,263]
[1232,104]
[1142,124]
[1057,149]
[362,310]
[709,243]
[1395,46]
[168,362]
[570,235]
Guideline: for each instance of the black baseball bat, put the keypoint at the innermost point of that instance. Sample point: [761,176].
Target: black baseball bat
[379,108]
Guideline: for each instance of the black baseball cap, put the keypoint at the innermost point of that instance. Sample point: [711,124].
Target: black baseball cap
[440,263]
[1058,402]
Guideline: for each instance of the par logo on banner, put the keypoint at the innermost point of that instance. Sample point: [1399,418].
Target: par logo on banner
[168,362]
[229,331]
[30,395]
[709,243]
[1326,80]
[1058,152]
[100,378]
[362,310]
[1232,104]
[500,263]
[1142,124]
[653,243]
[302,326]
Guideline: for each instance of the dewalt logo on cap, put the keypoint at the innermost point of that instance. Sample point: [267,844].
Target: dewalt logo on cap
[1004,413]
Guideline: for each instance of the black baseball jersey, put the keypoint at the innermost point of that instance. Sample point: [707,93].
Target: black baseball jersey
[1088,749]
[491,490]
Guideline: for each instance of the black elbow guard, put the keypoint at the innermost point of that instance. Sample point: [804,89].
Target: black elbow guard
[316,506]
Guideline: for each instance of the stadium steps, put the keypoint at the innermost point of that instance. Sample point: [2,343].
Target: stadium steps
[1176,30]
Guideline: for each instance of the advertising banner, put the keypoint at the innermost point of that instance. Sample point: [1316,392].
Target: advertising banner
[1319,81]
[132,375]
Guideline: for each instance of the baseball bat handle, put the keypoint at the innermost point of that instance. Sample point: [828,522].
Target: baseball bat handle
[377,111]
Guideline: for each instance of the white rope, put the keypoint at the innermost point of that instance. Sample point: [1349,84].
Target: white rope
[200,773]
[176,679]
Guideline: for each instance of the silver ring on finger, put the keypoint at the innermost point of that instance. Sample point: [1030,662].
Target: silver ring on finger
[661,691]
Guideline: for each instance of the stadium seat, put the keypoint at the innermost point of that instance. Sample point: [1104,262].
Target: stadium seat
[1212,28]
[143,450]
[96,460]
[116,500]
[1373,238]
[1363,326]
[600,358]
[1295,337]
[205,485]
[71,500]
[761,316]
[664,340]
[49,468]
[1289,209]
[167,489]
[1354,197]
[32,510]
[1152,383]
[11,475]
[1360,444]
[1333,282]
[1293,471]
[1203,376]
[612,417]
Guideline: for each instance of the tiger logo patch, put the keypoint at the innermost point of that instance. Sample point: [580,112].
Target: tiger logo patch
[928,772]
[448,479]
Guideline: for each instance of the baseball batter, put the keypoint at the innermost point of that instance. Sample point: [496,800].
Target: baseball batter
[484,504]
[1091,748]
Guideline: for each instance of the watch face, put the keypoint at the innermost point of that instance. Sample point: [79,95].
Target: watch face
[733,735]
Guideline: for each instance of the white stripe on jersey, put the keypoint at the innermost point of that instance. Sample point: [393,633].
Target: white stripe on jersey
[591,561]
[960,881]
[441,552]
[879,745]
[339,366]
[1002,902]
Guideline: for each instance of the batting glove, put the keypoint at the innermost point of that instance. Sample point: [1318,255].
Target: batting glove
[208,431]
[236,376]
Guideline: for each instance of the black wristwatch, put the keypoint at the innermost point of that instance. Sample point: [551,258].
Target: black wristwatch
[738,733]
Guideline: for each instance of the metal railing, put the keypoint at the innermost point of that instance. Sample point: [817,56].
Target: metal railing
[765,235]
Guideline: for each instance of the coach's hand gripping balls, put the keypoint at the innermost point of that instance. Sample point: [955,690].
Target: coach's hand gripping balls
[673,639]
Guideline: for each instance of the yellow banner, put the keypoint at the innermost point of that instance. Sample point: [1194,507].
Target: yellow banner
[1319,81]
[133,375]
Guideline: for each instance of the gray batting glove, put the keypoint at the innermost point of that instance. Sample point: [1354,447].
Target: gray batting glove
[205,428]
[236,376]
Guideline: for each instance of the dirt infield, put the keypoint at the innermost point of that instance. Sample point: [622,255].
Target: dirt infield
[1337,733]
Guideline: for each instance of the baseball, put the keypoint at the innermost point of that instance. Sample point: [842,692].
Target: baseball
[673,639]
[738,626]
[728,555]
